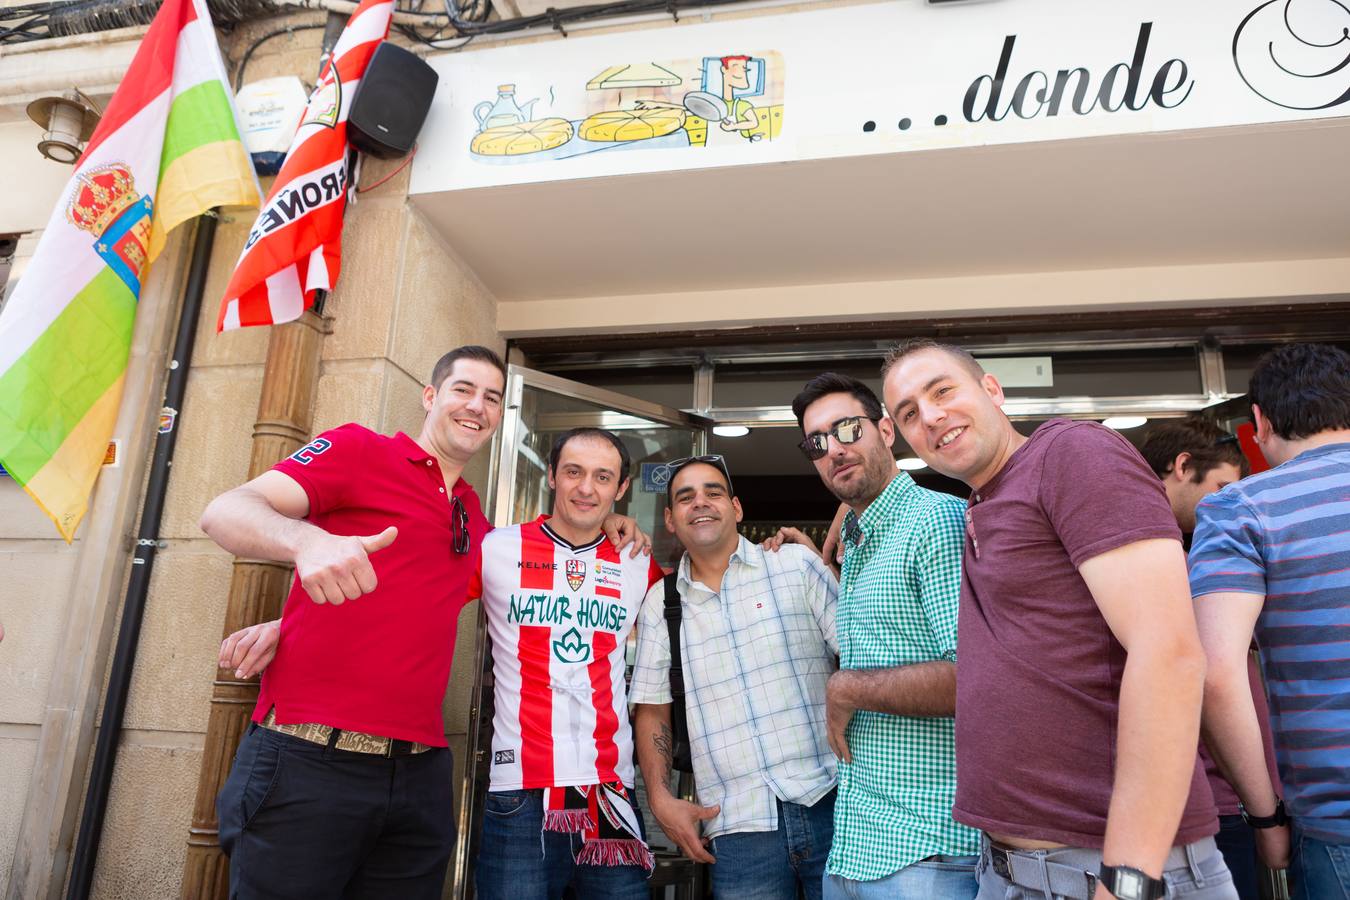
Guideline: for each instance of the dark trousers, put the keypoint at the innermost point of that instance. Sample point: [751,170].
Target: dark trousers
[300,821]
[1238,846]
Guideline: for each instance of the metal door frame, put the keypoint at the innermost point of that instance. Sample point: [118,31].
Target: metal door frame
[502,477]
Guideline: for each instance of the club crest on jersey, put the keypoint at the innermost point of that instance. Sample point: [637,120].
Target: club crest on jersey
[576,573]
[571,649]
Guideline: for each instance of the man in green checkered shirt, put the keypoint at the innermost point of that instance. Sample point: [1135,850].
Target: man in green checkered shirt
[889,708]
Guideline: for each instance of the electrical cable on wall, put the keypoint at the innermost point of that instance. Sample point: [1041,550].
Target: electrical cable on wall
[37,21]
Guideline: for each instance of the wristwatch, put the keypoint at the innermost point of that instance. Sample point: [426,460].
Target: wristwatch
[1274,820]
[1126,883]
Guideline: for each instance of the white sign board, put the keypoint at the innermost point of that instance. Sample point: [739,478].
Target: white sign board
[886,78]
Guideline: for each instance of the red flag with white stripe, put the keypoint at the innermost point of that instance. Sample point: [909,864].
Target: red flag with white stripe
[295,246]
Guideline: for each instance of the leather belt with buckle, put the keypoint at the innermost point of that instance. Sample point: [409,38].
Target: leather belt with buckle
[1026,871]
[351,741]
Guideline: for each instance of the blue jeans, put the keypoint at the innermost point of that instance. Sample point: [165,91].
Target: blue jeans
[518,860]
[1321,870]
[771,865]
[946,877]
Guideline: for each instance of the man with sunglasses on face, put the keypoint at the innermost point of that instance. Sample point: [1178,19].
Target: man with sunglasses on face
[386,537]
[890,705]
[755,649]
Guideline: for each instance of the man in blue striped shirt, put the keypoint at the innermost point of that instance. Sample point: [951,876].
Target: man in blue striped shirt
[1272,554]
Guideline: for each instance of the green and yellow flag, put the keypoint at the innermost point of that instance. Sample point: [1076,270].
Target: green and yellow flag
[166,150]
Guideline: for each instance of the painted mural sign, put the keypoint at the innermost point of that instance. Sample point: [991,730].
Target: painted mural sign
[707,101]
[879,78]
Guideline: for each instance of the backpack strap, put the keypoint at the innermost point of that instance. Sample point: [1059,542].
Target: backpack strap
[679,721]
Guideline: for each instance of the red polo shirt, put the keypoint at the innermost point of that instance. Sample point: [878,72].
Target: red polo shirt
[380,663]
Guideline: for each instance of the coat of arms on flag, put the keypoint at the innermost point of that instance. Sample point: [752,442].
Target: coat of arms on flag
[107,206]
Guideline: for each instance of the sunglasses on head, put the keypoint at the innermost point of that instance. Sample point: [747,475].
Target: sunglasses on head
[845,431]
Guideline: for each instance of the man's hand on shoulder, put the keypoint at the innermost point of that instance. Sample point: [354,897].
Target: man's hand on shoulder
[250,650]
[622,531]
[787,535]
[334,568]
[679,820]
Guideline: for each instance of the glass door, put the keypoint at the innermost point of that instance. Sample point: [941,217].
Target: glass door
[538,408]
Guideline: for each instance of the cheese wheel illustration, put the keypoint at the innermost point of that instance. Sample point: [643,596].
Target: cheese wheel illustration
[631,124]
[522,138]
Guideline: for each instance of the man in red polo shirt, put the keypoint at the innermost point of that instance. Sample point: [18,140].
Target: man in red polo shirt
[343,787]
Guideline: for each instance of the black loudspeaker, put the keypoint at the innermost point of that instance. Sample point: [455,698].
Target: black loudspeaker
[391,102]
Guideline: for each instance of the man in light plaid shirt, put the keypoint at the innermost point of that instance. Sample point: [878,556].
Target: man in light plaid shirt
[890,706]
[757,648]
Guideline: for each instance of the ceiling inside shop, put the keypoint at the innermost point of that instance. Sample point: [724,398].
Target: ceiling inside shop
[1212,196]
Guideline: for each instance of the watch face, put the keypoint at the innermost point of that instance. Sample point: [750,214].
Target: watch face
[1129,885]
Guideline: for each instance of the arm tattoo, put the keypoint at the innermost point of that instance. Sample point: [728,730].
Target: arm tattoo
[664,742]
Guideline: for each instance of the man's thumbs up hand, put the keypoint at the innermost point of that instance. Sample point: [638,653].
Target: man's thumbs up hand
[379,541]
[334,568]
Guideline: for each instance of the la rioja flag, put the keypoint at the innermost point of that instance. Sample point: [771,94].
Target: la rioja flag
[167,149]
[295,246]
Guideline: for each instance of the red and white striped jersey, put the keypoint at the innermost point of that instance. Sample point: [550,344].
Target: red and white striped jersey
[559,617]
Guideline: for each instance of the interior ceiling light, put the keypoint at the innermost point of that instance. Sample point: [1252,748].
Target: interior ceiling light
[730,430]
[910,463]
[67,122]
[1121,423]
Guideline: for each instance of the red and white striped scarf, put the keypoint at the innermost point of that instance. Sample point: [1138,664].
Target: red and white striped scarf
[607,820]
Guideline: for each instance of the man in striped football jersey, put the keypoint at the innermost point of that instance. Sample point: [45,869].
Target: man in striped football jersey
[560,603]
[1271,554]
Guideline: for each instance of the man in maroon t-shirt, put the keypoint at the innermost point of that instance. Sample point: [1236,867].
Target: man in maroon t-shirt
[1081,672]
[343,784]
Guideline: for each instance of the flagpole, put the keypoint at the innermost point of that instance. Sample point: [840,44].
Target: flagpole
[147,543]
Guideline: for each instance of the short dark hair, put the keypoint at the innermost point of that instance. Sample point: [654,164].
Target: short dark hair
[1303,389]
[911,346]
[1208,444]
[625,461]
[446,363]
[828,383]
[721,470]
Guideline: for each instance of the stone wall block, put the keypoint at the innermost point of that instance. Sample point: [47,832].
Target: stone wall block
[142,851]
[176,659]
[362,305]
[441,305]
[36,594]
[213,444]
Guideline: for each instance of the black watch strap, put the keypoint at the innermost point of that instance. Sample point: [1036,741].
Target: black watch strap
[1274,820]
[1126,883]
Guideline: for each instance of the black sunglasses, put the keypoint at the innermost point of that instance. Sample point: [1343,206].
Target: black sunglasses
[845,431]
[459,527]
[1227,439]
